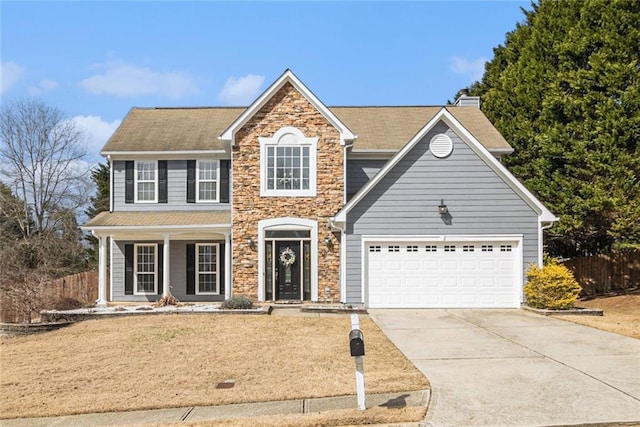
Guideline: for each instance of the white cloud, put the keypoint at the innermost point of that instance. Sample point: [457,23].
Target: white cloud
[126,80]
[474,69]
[241,91]
[10,73]
[44,86]
[95,131]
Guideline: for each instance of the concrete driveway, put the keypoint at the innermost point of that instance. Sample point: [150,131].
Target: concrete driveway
[515,368]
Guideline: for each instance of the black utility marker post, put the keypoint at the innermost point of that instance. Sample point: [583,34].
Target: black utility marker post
[356,345]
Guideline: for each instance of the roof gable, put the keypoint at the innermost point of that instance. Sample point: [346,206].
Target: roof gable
[445,116]
[287,77]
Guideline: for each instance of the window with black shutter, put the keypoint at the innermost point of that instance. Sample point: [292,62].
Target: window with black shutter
[224,181]
[191,181]
[162,181]
[129,182]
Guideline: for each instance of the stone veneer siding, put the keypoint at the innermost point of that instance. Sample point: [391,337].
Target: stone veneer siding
[287,107]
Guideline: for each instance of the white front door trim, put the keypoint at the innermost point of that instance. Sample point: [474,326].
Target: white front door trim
[288,224]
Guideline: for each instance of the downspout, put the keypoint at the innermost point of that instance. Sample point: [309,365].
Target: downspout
[343,254]
[343,235]
[541,241]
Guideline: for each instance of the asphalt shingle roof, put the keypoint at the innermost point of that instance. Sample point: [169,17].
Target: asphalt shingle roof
[197,129]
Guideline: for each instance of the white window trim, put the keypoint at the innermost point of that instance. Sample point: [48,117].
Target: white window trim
[217,272]
[217,162]
[135,268]
[301,141]
[155,182]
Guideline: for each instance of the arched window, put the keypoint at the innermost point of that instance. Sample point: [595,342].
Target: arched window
[288,164]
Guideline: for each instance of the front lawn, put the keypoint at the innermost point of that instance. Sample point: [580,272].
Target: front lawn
[621,314]
[175,360]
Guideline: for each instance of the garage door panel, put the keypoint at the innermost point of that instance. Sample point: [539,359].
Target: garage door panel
[487,282]
[429,265]
[413,282]
[485,265]
[393,266]
[468,282]
[469,265]
[449,282]
[442,274]
[412,265]
[449,265]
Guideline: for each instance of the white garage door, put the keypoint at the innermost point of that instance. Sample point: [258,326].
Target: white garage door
[476,274]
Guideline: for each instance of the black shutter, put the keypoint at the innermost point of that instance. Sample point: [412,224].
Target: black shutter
[162,181]
[224,181]
[221,268]
[160,261]
[128,182]
[191,181]
[128,269]
[191,269]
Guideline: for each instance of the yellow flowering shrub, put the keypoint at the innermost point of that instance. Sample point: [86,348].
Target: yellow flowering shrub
[551,287]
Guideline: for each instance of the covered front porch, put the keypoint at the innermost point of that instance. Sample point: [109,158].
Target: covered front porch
[151,254]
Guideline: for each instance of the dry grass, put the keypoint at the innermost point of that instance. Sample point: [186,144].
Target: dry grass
[176,360]
[347,417]
[621,314]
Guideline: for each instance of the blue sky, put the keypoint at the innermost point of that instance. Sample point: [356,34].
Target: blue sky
[96,60]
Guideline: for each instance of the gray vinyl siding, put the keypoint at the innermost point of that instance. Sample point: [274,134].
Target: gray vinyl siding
[178,274]
[359,172]
[176,191]
[405,202]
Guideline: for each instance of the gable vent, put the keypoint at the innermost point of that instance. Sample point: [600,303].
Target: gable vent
[441,145]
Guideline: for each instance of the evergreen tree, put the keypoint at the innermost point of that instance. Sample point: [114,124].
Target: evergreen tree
[99,203]
[564,90]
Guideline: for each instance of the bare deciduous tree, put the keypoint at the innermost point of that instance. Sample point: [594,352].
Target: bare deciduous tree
[40,160]
[43,182]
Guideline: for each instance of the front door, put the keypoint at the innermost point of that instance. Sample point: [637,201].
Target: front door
[287,270]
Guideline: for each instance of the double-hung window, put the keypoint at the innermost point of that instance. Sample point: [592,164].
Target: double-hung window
[208,180]
[145,273]
[207,269]
[288,164]
[288,168]
[146,181]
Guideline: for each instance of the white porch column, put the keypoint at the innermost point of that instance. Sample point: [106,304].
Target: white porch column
[228,267]
[166,259]
[102,272]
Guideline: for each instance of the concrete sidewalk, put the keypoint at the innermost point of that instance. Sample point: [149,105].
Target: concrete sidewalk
[515,368]
[203,413]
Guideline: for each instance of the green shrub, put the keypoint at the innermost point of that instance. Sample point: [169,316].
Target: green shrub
[551,287]
[237,303]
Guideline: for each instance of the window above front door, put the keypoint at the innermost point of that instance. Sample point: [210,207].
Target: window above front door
[288,164]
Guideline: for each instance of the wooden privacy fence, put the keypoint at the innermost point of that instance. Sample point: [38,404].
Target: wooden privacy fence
[604,273]
[82,287]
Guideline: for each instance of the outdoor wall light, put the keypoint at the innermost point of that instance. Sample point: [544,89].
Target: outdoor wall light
[327,241]
[442,208]
[249,241]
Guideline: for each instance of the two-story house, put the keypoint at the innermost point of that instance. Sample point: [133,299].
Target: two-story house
[290,200]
